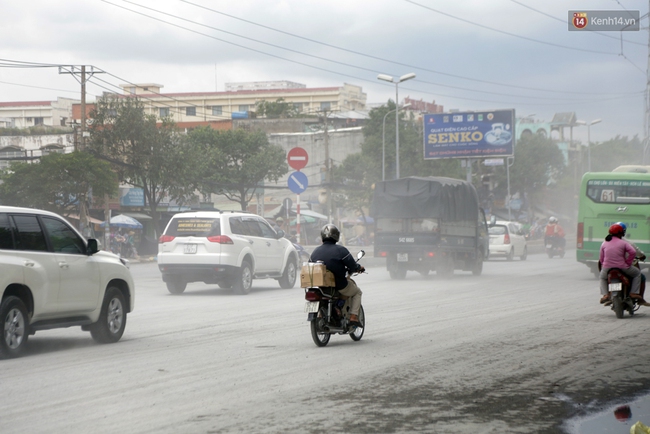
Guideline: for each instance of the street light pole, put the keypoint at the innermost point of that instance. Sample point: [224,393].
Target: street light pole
[383,141]
[397,81]
[589,139]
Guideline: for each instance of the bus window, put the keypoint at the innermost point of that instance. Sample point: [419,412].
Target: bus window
[618,191]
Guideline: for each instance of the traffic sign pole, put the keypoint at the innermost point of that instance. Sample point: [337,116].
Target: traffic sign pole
[298,218]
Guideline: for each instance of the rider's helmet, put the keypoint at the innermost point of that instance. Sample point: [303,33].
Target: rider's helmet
[552,220]
[623,225]
[616,230]
[330,232]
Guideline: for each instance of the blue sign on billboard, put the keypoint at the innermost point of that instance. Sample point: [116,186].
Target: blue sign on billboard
[469,135]
[131,197]
[297,182]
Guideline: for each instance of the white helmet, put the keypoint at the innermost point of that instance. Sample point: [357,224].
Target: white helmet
[552,220]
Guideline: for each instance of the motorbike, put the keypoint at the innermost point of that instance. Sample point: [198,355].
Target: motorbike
[328,314]
[554,246]
[302,253]
[619,286]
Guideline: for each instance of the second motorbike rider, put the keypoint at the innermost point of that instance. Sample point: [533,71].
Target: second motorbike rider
[339,261]
[616,253]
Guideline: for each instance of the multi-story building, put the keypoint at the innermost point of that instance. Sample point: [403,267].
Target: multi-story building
[25,114]
[240,99]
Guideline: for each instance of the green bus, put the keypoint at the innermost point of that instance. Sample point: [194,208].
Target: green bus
[609,197]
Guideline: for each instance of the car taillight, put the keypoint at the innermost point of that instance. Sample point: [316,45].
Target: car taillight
[312,296]
[165,239]
[506,239]
[581,236]
[221,239]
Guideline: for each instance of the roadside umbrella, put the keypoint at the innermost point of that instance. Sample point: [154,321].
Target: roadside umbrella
[124,221]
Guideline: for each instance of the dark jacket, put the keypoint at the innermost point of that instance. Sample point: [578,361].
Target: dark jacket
[337,259]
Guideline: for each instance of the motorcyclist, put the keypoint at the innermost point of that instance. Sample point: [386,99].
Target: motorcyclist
[616,253]
[339,261]
[554,233]
[639,255]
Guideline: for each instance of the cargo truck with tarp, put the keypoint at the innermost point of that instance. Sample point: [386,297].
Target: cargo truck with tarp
[428,224]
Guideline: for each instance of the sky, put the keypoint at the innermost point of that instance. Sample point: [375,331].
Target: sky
[467,54]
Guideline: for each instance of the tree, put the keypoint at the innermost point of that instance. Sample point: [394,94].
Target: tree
[359,172]
[143,154]
[235,163]
[59,182]
[276,110]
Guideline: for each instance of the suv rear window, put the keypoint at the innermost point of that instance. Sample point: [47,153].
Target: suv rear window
[194,227]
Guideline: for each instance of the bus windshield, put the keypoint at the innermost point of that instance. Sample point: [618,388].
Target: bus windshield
[619,191]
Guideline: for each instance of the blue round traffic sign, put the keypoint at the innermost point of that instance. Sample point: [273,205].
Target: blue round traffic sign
[297,182]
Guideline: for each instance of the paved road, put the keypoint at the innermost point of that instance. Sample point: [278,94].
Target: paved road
[516,350]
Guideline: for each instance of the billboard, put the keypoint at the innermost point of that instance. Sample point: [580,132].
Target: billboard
[484,134]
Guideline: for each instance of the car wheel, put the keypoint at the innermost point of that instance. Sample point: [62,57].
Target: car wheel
[244,280]
[288,279]
[15,327]
[511,254]
[176,286]
[525,254]
[109,328]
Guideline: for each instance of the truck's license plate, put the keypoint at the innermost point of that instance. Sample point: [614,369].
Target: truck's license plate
[402,257]
[311,306]
[189,248]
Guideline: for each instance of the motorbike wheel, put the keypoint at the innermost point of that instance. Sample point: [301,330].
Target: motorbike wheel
[617,306]
[549,252]
[320,338]
[357,334]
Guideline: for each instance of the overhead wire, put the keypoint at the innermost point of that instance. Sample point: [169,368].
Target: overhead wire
[437,94]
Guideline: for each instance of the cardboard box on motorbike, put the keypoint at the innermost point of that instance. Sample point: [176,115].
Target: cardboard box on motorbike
[315,274]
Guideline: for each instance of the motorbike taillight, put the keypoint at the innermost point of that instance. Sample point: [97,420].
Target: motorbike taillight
[312,296]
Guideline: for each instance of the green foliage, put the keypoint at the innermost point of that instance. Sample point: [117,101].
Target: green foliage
[619,151]
[276,110]
[39,130]
[143,154]
[58,183]
[538,163]
[235,163]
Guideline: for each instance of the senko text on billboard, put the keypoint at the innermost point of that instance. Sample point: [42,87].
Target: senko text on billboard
[469,135]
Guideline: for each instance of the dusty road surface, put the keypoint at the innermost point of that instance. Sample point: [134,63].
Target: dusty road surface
[516,350]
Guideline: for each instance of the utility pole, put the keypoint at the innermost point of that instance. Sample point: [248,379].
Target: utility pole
[84,77]
[646,100]
[328,170]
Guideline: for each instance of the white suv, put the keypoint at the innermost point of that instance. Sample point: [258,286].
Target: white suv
[52,277]
[227,248]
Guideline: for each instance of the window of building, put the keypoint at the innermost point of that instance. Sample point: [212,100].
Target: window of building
[326,105]
[52,149]
[190,111]
[217,110]
[38,121]
[164,112]
[297,106]
[63,121]
[244,108]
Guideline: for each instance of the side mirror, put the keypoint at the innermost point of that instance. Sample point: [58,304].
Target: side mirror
[361,254]
[92,247]
[279,234]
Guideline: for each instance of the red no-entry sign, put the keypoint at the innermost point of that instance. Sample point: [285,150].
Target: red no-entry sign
[297,158]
